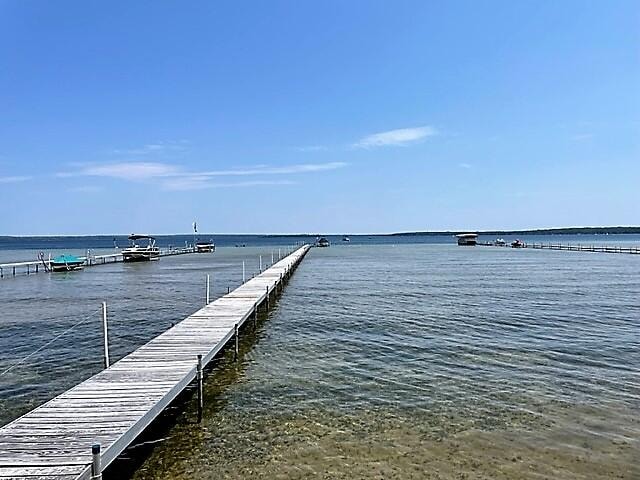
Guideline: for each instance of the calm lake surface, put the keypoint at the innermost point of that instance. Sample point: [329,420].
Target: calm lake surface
[406,360]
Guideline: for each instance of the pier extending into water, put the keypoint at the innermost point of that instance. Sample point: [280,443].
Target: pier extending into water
[77,434]
[36,266]
[573,248]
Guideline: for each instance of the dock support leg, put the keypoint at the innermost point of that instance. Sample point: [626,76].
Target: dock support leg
[96,463]
[105,335]
[255,316]
[235,334]
[228,289]
[200,377]
[267,298]
[260,263]
[243,274]
[208,284]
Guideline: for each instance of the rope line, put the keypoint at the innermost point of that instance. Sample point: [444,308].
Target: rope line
[39,349]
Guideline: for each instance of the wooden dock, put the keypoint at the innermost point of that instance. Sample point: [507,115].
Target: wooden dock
[110,409]
[574,248]
[36,266]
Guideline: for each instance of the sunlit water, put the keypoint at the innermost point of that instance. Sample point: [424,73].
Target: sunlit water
[379,361]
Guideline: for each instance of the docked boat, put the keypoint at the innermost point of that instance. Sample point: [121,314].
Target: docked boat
[205,247]
[66,263]
[322,242]
[467,239]
[500,242]
[517,244]
[140,253]
[346,239]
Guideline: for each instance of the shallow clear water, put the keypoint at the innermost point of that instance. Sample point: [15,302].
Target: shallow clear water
[379,361]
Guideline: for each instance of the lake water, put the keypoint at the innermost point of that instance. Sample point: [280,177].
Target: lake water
[380,360]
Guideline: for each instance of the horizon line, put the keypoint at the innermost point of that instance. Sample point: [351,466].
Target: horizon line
[407,232]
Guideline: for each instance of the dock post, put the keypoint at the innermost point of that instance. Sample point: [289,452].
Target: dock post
[235,334]
[228,290]
[271,257]
[267,298]
[260,263]
[255,316]
[279,255]
[208,283]
[96,464]
[200,377]
[243,276]
[105,335]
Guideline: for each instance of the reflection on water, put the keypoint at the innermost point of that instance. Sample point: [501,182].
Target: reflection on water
[412,361]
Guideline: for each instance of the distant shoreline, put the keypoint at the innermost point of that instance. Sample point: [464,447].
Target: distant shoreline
[430,233]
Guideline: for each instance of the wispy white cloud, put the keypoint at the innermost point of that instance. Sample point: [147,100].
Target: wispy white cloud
[15,179]
[311,148]
[173,177]
[465,165]
[399,137]
[578,137]
[200,183]
[85,189]
[156,148]
[124,170]
[271,170]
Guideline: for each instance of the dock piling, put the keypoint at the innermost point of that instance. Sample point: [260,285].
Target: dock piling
[260,263]
[105,335]
[235,334]
[208,284]
[96,464]
[200,377]
[243,274]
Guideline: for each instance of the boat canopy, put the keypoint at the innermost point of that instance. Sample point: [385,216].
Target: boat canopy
[467,235]
[135,236]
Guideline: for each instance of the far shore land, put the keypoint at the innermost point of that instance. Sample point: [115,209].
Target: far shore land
[429,233]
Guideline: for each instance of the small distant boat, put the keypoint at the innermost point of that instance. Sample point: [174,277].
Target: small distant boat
[205,247]
[467,239]
[322,242]
[138,253]
[500,242]
[517,243]
[346,239]
[66,263]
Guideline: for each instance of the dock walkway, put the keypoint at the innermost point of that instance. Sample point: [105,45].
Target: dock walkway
[574,248]
[53,441]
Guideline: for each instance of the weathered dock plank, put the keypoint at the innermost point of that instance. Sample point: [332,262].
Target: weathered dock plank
[112,408]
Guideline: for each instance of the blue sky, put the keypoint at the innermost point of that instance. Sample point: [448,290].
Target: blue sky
[321,117]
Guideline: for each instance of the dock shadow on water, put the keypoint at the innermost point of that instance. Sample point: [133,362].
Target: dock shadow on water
[395,369]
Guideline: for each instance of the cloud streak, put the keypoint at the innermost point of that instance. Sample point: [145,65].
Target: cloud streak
[157,148]
[173,177]
[200,183]
[15,179]
[398,138]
